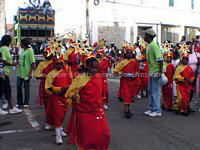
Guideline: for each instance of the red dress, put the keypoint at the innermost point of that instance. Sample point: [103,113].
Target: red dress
[88,126]
[103,70]
[57,99]
[167,90]
[183,87]
[129,87]
[144,72]
[42,71]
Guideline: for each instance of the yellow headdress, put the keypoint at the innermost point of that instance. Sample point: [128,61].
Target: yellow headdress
[167,47]
[184,50]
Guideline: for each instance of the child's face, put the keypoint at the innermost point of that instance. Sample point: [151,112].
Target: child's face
[59,65]
[185,60]
[93,69]
[169,59]
[99,57]
[129,54]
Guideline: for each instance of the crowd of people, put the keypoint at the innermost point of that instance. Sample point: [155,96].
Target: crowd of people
[167,75]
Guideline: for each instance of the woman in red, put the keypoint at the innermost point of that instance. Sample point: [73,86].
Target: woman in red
[41,72]
[57,83]
[144,72]
[184,77]
[88,126]
[129,82]
[103,66]
[167,90]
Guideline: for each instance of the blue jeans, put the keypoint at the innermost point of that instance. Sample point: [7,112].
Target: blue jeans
[48,9]
[20,82]
[155,89]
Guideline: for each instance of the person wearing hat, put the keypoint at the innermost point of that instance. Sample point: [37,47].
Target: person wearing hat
[24,73]
[184,77]
[130,83]
[88,126]
[155,62]
[41,73]
[167,89]
[56,84]
[103,66]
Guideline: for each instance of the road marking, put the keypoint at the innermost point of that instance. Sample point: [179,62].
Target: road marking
[14,131]
[35,125]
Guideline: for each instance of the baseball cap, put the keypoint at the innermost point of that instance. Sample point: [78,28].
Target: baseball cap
[150,32]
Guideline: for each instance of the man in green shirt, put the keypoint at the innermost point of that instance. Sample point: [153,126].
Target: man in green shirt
[155,62]
[7,61]
[24,74]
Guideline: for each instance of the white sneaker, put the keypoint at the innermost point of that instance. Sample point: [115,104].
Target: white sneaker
[59,140]
[147,112]
[155,114]
[47,126]
[15,110]
[138,96]
[3,112]
[5,105]
[63,133]
[105,107]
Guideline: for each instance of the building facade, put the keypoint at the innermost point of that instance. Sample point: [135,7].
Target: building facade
[2,18]
[119,20]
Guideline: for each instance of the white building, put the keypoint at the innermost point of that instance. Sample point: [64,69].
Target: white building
[118,20]
[2,17]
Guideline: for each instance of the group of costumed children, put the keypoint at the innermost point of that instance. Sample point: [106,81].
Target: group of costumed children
[79,79]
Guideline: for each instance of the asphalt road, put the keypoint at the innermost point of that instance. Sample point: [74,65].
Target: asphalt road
[25,131]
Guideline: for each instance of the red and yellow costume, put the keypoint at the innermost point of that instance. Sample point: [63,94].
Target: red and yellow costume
[129,87]
[71,58]
[56,80]
[88,126]
[41,72]
[183,87]
[167,90]
[104,64]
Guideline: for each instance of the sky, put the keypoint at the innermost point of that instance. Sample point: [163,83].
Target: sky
[69,13]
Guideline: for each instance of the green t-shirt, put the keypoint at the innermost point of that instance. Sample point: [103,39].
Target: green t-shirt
[26,58]
[153,56]
[7,57]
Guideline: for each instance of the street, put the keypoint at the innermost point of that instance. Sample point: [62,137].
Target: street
[25,131]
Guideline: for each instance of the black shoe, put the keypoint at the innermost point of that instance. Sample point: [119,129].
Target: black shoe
[184,114]
[120,99]
[128,114]
[176,112]
[169,109]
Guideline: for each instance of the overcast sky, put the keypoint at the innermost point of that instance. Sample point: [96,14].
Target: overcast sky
[68,12]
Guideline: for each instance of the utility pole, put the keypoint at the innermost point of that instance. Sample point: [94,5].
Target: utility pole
[87,21]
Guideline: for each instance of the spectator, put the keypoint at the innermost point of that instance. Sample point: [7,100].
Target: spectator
[183,40]
[155,62]
[35,3]
[47,7]
[7,60]
[24,74]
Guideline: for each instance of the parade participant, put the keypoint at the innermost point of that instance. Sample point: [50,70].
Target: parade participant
[192,62]
[56,84]
[129,82]
[167,89]
[24,75]
[41,73]
[72,57]
[88,126]
[184,76]
[7,61]
[144,69]
[47,7]
[155,62]
[103,66]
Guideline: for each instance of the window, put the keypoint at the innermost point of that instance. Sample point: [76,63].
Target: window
[192,4]
[171,3]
